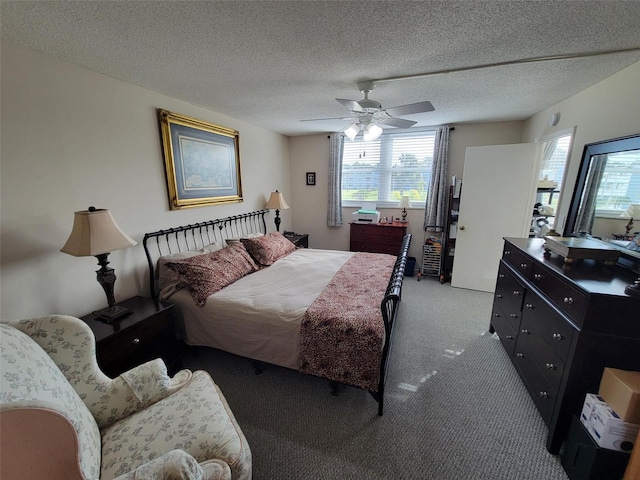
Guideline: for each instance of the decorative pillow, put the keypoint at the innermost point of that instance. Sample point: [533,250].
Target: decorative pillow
[268,248]
[168,281]
[231,241]
[207,274]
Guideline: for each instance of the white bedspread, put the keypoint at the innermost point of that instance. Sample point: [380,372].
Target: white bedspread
[259,316]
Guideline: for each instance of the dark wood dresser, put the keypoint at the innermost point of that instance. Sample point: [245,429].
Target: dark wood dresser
[561,326]
[377,237]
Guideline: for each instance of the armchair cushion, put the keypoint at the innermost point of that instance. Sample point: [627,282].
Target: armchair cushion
[195,419]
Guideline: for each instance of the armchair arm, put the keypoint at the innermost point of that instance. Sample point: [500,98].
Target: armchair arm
[173,465]
[133,391]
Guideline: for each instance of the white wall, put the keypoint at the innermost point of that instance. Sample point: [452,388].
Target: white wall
[72,138]
[310,153]
[606,110]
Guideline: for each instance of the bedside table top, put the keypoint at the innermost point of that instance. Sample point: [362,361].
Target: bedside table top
[141,309]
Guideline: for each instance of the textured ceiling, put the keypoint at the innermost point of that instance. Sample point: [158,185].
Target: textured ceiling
[274,63]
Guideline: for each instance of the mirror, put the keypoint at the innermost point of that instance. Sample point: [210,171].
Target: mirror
[606,199]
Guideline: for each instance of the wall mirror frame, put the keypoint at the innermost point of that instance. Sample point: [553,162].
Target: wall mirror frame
[582,194]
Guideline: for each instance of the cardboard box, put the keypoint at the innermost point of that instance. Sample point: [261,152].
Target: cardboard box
[590,401]
[610,431]
[621,390]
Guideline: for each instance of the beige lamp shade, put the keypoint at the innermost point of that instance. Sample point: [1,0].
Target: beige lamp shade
[276,201]
[95,232]
[405,202]
[632,212]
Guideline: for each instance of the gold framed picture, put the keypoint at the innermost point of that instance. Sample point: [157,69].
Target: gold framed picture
[202,162]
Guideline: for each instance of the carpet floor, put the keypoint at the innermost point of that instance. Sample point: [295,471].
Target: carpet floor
[455,407]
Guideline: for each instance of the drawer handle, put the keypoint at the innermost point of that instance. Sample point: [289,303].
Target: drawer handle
[550,366]
[501,275]
[520,355]
[509,337]
[513,315]
[523,266]
[516,293]
[568,300]
[537,276]
[544,394]
[497,315]
[136,341]
[525,331]
[499,295]
[529,306]
[507,252]
[557,336]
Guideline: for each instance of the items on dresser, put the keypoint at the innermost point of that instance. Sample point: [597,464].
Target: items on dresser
[146,334]
[377,237]
[561,326]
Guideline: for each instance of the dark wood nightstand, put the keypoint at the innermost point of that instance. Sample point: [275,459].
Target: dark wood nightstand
[146,334]
[299,239]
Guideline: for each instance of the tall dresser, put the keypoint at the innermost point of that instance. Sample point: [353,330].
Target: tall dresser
[377,237]
[561,326]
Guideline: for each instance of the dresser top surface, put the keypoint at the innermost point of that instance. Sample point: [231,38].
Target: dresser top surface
[590,275]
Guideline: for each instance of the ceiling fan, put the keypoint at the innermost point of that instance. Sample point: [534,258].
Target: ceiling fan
[367,115]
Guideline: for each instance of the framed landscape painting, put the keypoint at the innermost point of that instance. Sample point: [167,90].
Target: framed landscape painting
[202,162]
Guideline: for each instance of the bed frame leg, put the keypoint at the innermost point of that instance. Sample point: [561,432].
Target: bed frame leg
[335,388]
[257,367]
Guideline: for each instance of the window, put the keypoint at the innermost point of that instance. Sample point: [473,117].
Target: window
[620,183]
[381,171]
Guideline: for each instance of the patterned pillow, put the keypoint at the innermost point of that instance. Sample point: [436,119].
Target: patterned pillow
[267,249]
[167,279]
[204,275]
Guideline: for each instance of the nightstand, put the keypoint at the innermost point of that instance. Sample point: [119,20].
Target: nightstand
[299,239]
[146,334]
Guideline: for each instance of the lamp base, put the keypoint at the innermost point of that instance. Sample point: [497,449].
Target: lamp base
[111,314]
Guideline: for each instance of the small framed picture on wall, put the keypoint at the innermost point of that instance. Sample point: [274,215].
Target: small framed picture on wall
[311,178]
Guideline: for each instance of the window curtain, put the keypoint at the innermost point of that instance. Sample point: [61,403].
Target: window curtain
[334,207]
[435,211]
[587,211]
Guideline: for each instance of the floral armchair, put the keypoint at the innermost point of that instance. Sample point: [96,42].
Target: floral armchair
[61,417]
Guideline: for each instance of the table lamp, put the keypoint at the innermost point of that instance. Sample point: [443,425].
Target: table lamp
[404,204]
[96,233]
[277,202]
[632,212]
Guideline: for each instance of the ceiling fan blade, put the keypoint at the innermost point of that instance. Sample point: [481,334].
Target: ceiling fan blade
[321,119]
[350,104]
[397,122]
[419,107]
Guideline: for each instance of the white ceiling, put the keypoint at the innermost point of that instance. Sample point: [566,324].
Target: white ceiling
[274,63]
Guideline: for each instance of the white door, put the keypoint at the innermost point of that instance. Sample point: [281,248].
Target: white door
[498,193]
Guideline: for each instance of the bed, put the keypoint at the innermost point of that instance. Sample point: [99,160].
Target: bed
[240,289]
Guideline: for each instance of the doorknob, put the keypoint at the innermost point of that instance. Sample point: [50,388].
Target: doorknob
[461,227]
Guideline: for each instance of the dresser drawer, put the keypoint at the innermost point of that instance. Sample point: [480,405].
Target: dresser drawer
[509,293]
[543,395]
[567,298]
[517,260]
[138,344]
[541,320]
[548,362]
[505,331]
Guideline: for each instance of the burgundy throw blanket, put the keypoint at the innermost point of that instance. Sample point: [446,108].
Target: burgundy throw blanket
[342,332]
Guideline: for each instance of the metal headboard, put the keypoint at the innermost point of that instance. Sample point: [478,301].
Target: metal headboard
[192,237]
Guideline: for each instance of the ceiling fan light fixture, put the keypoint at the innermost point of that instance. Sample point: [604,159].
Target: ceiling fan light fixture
[372,132]
[351,131]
